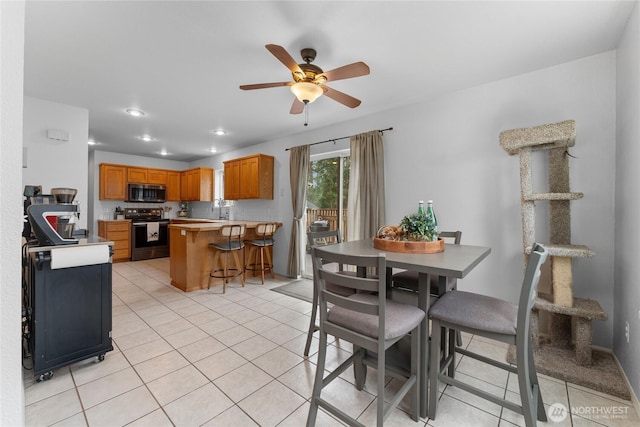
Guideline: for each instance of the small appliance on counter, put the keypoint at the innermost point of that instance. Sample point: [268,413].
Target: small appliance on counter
[184,210]
[54,218]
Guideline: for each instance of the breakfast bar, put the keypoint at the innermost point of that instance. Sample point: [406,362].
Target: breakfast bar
[191,259]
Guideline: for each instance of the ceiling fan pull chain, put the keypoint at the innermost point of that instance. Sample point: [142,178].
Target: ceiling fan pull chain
[306,113]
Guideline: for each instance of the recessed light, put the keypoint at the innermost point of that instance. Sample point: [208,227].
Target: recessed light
[91,142]
[213,149]
[219,132]
[147,138]
[135,113]
[163,153]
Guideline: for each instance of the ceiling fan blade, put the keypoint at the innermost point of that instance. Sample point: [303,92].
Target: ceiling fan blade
[297,107]
[356,69]
[265,85]
[342,98]
[283,56]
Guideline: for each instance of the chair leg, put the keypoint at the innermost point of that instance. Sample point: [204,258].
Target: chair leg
[380,388]
[312,323]
[458,338]
[239,267]
[262,264]
[269,262]
[415,371]
[317,384]
[533,377]
[434,362]
[525,385]
[452,352]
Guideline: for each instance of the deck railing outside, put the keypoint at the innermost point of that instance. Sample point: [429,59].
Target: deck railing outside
[330,215]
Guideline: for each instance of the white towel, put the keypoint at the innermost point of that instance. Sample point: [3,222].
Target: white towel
[153,231]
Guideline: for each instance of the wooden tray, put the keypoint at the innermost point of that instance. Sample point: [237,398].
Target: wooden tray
[409,246]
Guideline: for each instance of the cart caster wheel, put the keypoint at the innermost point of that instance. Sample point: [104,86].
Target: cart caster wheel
[44,377]
[101,358]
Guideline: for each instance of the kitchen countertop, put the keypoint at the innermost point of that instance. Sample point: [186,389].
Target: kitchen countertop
[90,240]
[213,224]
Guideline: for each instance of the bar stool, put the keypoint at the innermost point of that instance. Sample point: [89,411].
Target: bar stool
[264,231]
[233,243]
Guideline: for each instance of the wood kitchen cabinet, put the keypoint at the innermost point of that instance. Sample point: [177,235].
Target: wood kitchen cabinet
[249,177]
[157,176]
[173,186]
[119,232]
[137,175]
[196,185]
[113,182]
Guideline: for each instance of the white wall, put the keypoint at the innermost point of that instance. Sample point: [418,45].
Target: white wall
[627,202]
[53,163]
[11,101]
[447,150]
[102,209]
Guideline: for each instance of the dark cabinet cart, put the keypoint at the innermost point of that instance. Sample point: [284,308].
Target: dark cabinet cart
[68,311]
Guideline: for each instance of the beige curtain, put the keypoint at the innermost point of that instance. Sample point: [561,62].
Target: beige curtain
[365,213]
[298,171]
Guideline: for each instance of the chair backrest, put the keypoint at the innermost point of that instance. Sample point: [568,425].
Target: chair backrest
[529,290]
[266,229]
[233,231]
[455,235]
[321,238]
[377,284]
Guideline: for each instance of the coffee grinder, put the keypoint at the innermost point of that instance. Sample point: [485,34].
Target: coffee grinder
[53,218]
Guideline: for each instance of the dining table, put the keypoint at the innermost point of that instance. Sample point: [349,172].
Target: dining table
[455,261]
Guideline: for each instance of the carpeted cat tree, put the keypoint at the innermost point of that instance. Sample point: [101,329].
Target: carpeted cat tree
[561,323]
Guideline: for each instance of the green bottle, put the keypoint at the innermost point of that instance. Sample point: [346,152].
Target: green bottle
[421,207]
[432,221]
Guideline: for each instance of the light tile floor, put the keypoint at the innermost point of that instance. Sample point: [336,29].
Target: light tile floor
[203,358]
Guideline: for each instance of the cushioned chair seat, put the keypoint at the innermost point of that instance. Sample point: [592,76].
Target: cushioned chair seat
[476,311]
[400,318]
[227,246]
[260,242]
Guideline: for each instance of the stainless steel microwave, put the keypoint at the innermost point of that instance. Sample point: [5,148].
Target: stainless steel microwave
[147,193]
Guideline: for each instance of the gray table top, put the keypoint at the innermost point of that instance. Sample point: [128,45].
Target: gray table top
[455,261]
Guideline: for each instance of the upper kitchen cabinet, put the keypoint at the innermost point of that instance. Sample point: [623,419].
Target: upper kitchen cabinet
[113,182]
[249,177]
[173,186]
[156,176]
[137,175]
[196,185]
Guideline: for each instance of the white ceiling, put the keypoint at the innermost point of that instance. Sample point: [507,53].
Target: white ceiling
[182,62]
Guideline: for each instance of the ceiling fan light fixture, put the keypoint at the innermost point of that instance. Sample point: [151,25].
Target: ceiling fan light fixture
[306,92]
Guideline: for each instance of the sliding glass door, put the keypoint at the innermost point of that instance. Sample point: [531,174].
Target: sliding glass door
[328,184]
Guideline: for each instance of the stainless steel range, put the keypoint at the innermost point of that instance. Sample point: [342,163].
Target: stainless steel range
[149,233]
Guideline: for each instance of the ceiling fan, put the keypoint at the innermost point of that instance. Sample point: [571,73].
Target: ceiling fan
[309,80]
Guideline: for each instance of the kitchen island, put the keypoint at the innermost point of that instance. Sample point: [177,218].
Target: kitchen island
[190,258]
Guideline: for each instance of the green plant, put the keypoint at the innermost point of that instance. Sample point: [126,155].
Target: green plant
[419,227]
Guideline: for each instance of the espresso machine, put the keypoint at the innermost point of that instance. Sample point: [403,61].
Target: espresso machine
[53,218]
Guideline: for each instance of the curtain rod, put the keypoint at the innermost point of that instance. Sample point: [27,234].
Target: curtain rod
[338,139]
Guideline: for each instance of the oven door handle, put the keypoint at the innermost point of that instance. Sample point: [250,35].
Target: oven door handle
[136,224]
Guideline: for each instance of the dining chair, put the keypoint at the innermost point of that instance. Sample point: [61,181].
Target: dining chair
[260,247]
[408,280]
[372,323]
[229,246]
[322,238]
[495,319]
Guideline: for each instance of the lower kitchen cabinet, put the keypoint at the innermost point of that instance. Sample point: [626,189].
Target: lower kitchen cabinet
[119,232]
